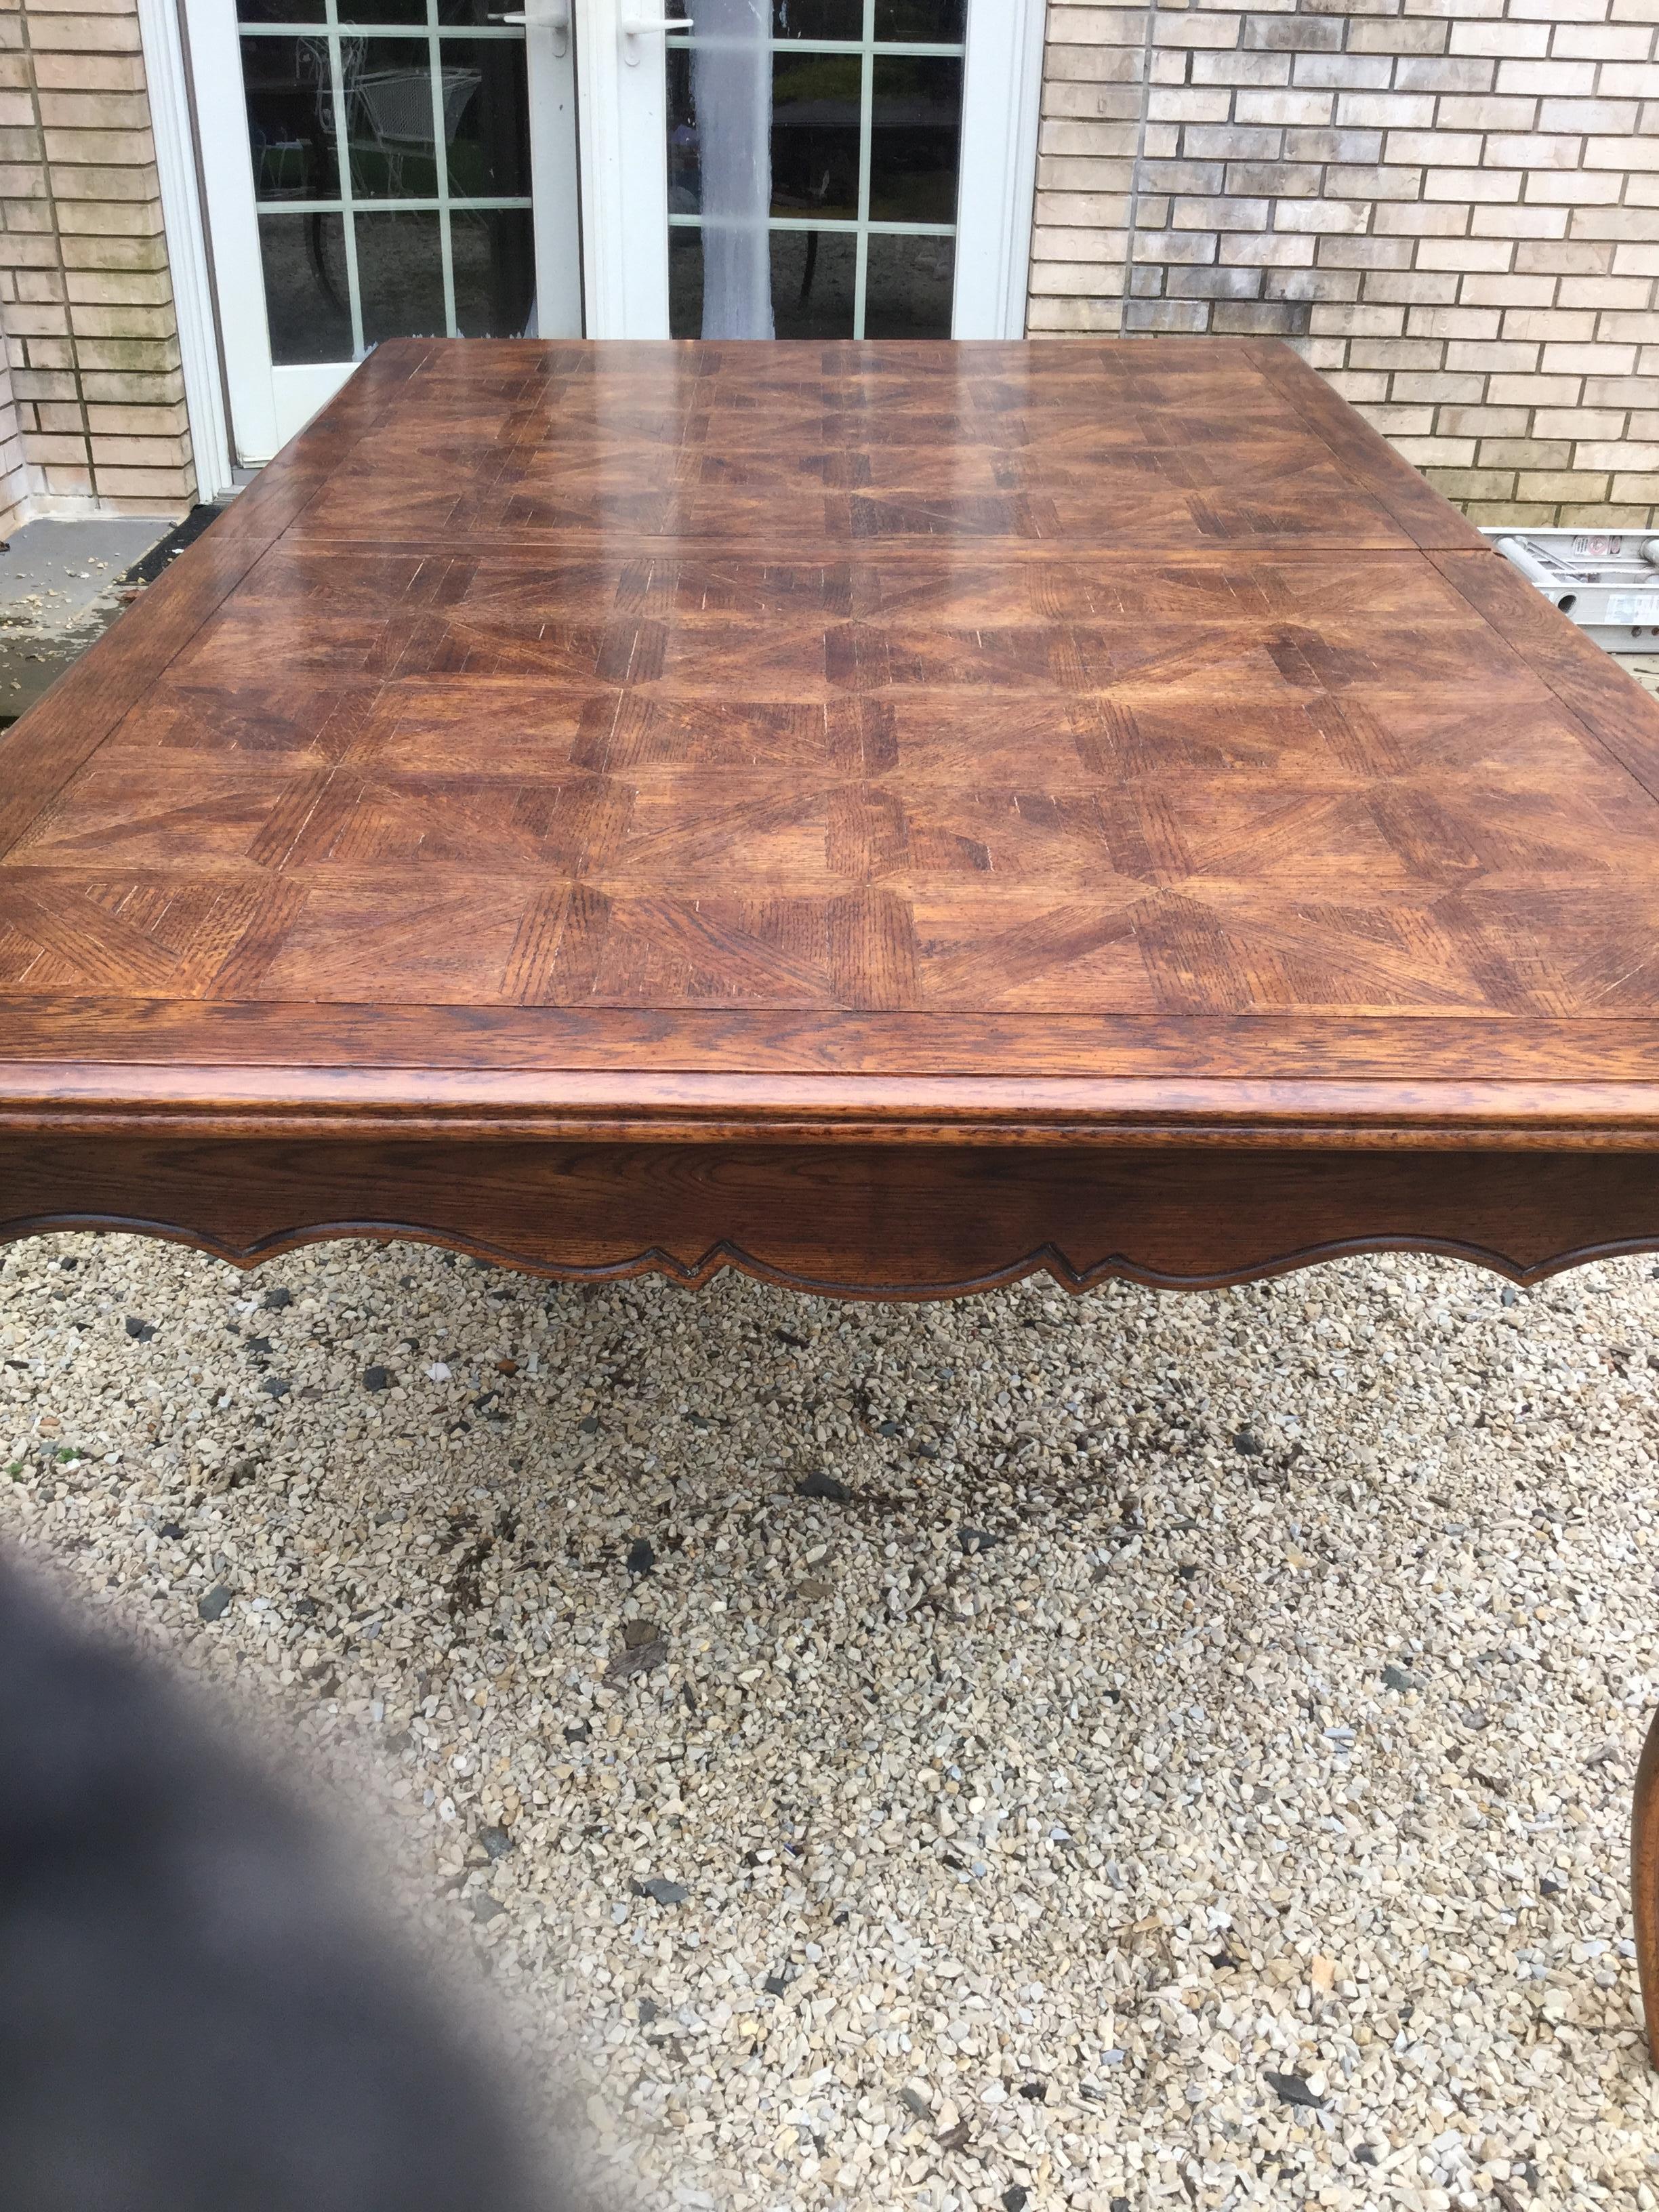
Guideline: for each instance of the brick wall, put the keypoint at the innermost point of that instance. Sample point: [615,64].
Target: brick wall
[86,308]
[14,469]
[1450,207]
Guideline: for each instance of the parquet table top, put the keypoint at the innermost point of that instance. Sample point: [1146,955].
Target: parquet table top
[974,731]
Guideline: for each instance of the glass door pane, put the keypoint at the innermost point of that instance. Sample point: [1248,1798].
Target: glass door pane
[391,148]
[814,154]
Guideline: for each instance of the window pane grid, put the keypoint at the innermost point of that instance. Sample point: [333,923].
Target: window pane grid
[881,47]
[370,148]
[457,206]
[861,227]
[847,226]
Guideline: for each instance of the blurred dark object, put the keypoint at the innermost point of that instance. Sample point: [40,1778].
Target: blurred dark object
[195,2015]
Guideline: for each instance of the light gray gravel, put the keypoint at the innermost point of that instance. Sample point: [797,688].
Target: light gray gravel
[1191,1766]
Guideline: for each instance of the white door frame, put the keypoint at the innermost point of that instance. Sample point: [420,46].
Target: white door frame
[213,240]
[1001,99]
[625,202]
[191,271]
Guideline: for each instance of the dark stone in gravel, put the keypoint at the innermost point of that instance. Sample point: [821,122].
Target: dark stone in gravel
[377,1378]
[641,1556]
[649,2010]
[1037,2092]
[486,1908]
[577,1732]
[1366,2153]
[497,1841]
[887,1428]
[776,1984]
[1248,1443]
[275,1386]
[258,1344]
[819,1485]
[975,1539]
[590,1427]
[1015,2199]
[1293,2090]
[663,1891]
[914,2102]
[213,1604]
[278,1298]
[140,1331]
[1552,1889]
[306,1608]
[638,1654]
[955,2138]
[170,1532]
[1396,1678]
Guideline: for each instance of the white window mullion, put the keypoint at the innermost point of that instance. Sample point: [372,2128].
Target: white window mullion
[342,163]
[866,115]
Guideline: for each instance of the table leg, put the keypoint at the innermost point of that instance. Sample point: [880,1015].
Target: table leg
[1644,1883]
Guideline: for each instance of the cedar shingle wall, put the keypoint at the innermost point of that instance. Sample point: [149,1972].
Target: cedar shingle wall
[86,306]
[1452,211]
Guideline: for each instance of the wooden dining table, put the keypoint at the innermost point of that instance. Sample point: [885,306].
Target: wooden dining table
[890,818]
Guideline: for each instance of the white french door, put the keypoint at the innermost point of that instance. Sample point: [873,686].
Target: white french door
[378,168]
[812,168]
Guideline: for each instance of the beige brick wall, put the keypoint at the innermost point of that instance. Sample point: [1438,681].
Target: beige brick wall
[1450,207]
[86,306]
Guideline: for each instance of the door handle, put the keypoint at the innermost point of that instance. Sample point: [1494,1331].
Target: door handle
[556,18]
[634,28]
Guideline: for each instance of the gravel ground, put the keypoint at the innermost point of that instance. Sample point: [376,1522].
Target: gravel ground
[1178,1749]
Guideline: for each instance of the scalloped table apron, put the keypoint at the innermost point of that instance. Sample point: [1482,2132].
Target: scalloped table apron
[888,817]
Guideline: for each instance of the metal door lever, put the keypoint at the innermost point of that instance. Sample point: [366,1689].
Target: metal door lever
[555,18]
[633,28]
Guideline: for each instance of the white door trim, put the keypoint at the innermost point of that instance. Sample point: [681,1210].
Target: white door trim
[1001,99]
[234,230]
[622,107]
[186,243]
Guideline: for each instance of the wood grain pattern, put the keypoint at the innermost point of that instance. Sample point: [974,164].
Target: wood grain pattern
[1098,747]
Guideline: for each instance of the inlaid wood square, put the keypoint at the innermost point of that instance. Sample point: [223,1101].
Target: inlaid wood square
[1070,692]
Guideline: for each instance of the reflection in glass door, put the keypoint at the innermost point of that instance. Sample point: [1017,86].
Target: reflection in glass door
[814,157]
